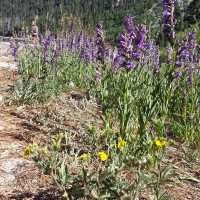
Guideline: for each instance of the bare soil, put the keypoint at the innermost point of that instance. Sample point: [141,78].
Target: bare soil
[19,178]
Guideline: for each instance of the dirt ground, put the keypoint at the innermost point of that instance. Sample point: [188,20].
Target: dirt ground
[19,178]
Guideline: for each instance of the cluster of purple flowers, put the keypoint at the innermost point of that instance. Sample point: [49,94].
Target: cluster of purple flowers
[80,44]
[135,48]
[169,19]
[88,48]
[49,49]
[188,57]
[73,43]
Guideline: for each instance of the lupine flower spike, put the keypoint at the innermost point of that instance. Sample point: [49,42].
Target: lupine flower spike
[134,48]
[169,20]
[100,43]
[187,57]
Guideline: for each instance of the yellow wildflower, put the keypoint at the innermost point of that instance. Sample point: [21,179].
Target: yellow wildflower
[85,156]
[160,143]
[103,156]
[27,152]
[121,143]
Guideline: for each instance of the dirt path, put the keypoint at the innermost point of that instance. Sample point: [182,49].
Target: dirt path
[19,178]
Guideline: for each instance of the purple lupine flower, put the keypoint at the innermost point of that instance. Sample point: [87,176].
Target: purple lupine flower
[142,34]
[100,43]
[187,57]
[133,35]
[46,46]
[130,65]
[155,57]
[123,44]
[169,19]
[129,24]
[186,52]
[134,47]
[87,55]
[178,75]
[87,50]
[136,55]
[151,56]
[119,61]
[93,50]
[47,41]
[179,63]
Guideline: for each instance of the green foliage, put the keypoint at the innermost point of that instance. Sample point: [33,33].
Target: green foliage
[79,178]
[39,80]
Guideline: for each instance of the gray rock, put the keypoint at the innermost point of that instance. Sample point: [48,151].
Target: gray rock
[1,99]
[4,48]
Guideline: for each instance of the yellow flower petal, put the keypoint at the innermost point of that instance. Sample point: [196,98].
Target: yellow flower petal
[103,156]
[27,152]
[121,144]
[160,143]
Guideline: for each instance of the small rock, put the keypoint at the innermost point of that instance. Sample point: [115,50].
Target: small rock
[1,99]
[4,48]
